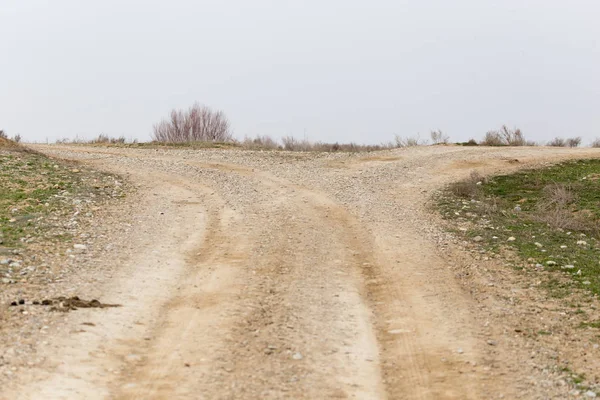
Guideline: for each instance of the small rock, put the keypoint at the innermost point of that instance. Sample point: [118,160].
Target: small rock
[460,351]
[586,282]
[538,244]
[14,303]
[590,395]
[492,342]
[80,247]
[133,358]
[550,263]
[582,242]
[512,239]
[21,301]
[477,239]
[568,267]
[297,356]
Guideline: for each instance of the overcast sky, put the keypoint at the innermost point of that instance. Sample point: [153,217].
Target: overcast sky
[335,70]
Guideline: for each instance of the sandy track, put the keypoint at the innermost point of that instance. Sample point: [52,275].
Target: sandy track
[268,275]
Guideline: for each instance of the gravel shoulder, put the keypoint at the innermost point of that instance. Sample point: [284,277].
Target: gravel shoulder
[289,275]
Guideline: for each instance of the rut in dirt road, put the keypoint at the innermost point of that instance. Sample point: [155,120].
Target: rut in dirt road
[275,276]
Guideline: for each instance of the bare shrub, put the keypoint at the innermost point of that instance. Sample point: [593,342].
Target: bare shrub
[102,138]
[290,143]
[119,140]
[263,142]
[557,142]
[17,138]
[438,137]
[574,141]
[555,209]
[596,143]
[409,141]
[504,137]
[557,195]
[3,134]
[197,124]
[469,188]
[513,137]
[531,143]
[492,138]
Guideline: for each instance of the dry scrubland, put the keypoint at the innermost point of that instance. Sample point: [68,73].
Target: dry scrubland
[415,272]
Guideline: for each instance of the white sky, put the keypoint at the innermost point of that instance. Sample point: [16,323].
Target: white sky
[339,70]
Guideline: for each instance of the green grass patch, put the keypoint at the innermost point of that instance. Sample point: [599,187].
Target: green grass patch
[592,324]
[550,217]
[33,187]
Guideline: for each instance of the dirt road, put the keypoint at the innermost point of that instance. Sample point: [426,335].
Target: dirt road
[274,275]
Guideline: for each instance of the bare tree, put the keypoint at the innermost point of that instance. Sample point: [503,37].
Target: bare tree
[438,137]
[557,142]
[513,137]
[197,124]
[492,138]
[504,137]
[574,141]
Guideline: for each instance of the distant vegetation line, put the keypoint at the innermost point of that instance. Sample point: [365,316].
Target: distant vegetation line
[201,126]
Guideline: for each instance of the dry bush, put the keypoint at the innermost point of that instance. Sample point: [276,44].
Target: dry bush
[596,143]
[531,143]
[411,141]
[119,140]
[570,142]
[197,124]
[492,138]
[3,134]
[561,218]
[470,142]
[17,138]
[504,137]
[555,209]
[469,188]
[513,137]
[259,142]
[102,138]
[438,137]
[292,144]
[557,142]
[557,195]
[574,141]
